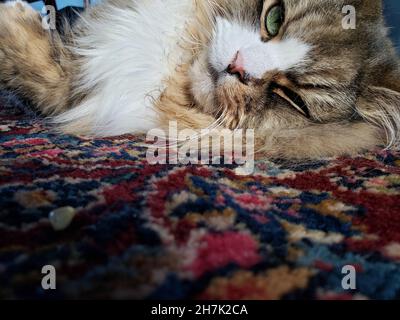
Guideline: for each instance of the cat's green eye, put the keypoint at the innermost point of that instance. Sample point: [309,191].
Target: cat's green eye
[274,20]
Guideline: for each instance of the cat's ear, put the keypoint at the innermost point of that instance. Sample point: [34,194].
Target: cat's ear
[380,106]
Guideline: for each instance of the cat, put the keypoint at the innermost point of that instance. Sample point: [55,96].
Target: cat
[288,69]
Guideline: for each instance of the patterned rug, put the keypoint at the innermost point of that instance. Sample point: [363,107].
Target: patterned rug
[163,232]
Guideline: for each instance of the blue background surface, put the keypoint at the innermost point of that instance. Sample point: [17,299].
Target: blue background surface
[392,12]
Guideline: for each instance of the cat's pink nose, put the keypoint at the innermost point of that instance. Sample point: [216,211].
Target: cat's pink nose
[237,67]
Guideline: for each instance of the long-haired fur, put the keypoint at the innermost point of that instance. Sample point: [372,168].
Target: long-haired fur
[128,66]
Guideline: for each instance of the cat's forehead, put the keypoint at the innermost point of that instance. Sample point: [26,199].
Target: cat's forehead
[320,23]
[364,7]
[323,49]
[308,16]
[321,26]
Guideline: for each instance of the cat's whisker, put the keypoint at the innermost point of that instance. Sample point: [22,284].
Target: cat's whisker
[176,143]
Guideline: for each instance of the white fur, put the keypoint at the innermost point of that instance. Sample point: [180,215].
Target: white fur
[259,57]
[128,54]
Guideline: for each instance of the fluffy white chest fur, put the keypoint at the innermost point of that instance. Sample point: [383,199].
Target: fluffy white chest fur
[127,56]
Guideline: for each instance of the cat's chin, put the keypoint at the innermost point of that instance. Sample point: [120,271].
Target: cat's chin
[202,85]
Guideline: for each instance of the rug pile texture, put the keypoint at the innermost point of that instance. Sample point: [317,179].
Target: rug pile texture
[146,231]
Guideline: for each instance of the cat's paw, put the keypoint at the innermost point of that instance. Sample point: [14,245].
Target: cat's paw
[18,4]
[11,9]
[19,25]
[14,15]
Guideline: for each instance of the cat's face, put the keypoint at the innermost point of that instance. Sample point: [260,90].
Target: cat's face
[287,64]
